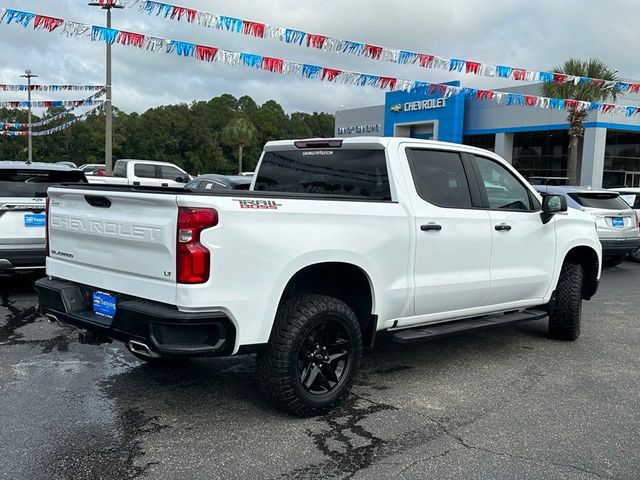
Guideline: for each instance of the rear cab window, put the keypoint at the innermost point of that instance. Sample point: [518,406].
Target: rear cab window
[34,183]
[351,172]
[603,200]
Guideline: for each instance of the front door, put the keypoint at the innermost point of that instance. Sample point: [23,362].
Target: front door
[524,248]
[453,239]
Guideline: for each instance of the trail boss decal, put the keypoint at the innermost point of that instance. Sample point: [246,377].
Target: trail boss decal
[258,204]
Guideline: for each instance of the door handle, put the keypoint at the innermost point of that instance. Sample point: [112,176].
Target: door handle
[165,184]
[431,227]
[503,227]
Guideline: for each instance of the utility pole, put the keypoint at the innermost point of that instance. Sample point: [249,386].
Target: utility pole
[28,75]
[108,143]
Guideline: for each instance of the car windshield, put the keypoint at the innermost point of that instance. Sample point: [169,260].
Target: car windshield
[608,201]
[34,183]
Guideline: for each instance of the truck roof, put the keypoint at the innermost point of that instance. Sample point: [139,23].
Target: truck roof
[13,164]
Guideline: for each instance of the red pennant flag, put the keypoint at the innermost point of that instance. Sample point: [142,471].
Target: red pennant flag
[606,107]
[484,95]
[272,64]
[372,51]
[206,54]
[48,23]
[559,78]
[598,82]
[530,100]
[178,12]
[571,104]
[315,41]
[634,87]
[518,73]
[387,82]
[425,60]
[253,28]
[330,74]
[130,38]
[472,67]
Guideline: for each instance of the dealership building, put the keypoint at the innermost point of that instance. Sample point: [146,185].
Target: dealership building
[533,140]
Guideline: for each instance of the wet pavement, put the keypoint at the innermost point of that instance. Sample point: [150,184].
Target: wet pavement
[505,403]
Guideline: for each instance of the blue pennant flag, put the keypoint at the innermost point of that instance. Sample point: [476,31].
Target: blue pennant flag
[251,60]
[584,80]
[311,71]
[595,106]
[183,49]
[22,18]
[546,77]
[468,92]
[365,80]
[407,57]
[623,86]
[503,72]
[103,34]
[231,24]
[456,65]
[631,111]
[294,36]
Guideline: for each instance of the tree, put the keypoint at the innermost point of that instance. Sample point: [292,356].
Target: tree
[240,132]
[588,92]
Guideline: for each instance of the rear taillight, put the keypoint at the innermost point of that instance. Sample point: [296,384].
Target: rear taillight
[46,227]
[637,218]
[193,258]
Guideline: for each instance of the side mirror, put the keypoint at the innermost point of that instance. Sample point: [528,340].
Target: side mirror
[552,204]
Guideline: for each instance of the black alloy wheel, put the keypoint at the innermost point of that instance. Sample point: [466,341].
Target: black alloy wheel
[324,357]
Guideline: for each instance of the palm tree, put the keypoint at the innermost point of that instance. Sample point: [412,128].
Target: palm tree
[588,92]
[240,132]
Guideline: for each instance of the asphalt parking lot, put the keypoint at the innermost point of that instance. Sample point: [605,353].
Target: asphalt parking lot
[505,403]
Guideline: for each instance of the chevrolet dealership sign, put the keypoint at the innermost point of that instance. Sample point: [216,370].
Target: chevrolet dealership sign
[419,105]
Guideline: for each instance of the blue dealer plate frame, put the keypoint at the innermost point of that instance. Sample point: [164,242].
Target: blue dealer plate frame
[104,304]
[35,220]
[617,222]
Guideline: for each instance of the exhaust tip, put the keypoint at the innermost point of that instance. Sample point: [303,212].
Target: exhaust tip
[141,349]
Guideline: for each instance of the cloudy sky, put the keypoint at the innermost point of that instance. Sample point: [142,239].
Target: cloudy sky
[535,35]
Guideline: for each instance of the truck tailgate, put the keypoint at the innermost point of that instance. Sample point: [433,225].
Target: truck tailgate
[114,239]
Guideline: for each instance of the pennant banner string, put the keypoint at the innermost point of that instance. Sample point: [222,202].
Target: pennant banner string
[374,52]
[286,67]
[87,102]
[49,88]
[79,118]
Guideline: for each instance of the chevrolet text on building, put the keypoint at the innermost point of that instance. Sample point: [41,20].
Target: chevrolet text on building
[419,239]
[420,105]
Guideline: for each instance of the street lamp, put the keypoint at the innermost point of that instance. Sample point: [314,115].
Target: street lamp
[28,75]
[108,144]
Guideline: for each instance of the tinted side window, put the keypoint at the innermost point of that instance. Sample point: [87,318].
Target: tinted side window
[171,173]
[144,170]
[440,178]
[346,172]
[504,191]
[120,169]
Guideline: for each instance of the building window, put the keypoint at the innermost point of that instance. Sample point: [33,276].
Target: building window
[621,159]
[488,142]
[541,154]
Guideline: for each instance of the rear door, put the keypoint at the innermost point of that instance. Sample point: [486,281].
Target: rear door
[453,237]
[22,203]
[146,174]
[524,248]
[614,217]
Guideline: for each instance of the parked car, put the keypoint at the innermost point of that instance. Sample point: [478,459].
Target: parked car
[219,182]
[93,169]
[616,222]
[342,239]
[631,195]
[23,190]
[144,172]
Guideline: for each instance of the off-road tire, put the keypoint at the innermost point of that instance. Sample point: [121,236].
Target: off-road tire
[564,316]
[278,364]
[635,255]
[613,260]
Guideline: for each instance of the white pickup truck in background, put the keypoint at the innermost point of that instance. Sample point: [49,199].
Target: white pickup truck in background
[144,172]
[338,241]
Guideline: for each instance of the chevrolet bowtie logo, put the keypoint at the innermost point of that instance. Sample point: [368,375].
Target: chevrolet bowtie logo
[396,108]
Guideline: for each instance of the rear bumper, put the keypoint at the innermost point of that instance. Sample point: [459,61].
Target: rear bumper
[619,246]
[162,328]
[22,258]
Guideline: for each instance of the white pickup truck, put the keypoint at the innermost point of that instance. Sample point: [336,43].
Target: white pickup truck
[339,240]
[144,172]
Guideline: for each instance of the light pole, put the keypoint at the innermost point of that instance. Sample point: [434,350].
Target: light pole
[28,75]
[108,143]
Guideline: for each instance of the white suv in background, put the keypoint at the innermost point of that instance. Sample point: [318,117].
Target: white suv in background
[23,190]
[631,195]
